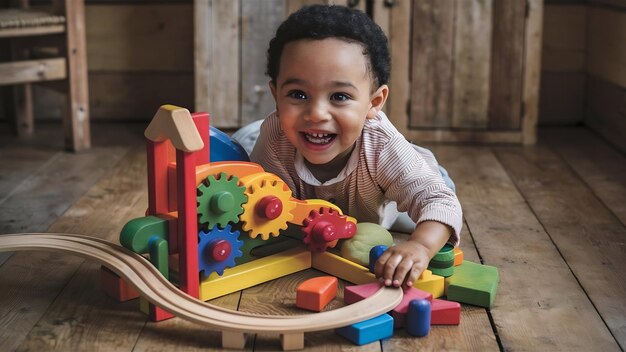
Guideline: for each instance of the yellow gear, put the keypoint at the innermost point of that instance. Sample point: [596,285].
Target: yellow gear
[269,205]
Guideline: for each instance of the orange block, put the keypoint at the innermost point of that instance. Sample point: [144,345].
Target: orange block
[314,294]
[458,256]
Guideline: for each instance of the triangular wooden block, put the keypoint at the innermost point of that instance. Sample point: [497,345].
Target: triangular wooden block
[445,312]
[175,124]
[353,294]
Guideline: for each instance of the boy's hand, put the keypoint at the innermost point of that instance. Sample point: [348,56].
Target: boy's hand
[402,264]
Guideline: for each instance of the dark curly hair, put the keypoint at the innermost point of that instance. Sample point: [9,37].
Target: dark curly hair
[323,21]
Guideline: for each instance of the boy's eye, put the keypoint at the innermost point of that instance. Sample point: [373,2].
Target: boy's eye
[340,97]
[297,94]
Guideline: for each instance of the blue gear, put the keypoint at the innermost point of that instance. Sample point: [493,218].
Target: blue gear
[206,263]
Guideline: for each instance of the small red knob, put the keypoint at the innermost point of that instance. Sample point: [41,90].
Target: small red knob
[269,207]
[220,250]
[324,231]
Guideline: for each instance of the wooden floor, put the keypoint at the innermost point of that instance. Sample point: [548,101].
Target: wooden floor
[551,218]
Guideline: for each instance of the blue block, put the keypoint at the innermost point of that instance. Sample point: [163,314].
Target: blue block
[368,331]
[375,253]
[223,148]
[418,318]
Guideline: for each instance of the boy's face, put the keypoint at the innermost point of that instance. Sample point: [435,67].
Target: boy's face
[323,96]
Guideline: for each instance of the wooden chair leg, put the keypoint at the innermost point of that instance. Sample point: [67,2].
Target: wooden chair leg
[76,117]
[24,120]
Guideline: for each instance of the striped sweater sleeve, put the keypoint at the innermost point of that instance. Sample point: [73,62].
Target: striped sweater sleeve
[406,178]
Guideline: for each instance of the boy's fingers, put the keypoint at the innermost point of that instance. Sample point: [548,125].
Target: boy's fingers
[413,276]
[403,268]
[380,264]
[390,268]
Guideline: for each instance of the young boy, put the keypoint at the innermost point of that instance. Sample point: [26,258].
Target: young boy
[329,138]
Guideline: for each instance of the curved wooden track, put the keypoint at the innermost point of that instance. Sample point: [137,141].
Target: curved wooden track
[140,273]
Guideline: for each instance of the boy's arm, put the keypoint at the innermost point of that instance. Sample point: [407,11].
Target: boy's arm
[404,263]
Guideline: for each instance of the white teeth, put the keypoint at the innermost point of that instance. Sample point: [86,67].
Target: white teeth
[318,138]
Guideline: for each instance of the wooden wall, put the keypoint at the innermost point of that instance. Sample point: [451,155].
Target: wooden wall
[140,56]
[584,66]
[606,70]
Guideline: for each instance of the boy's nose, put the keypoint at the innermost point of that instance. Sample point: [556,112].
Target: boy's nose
[317,113]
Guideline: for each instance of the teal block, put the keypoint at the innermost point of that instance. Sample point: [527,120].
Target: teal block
[368,331]
[473,283]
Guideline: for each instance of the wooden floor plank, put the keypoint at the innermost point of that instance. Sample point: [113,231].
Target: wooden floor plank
[278,297]
[599,165]
[539,304]
[180,335]
[18,163]
[588,235]
[474,333]
[79,308]
[50,185]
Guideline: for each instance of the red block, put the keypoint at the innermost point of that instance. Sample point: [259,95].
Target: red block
[314,294]
[401,310]
[353,294]
[445,312]
[115,287]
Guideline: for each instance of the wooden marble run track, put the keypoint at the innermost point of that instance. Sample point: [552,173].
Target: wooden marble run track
[144,276]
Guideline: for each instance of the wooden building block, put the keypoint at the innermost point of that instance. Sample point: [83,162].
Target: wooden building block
[291,342]
[342,268]
[353,294]
[400,312]
[445,312]
[442,263]
[233,340]
[314,294]
[430,283]
[375,253]
[255,272]
[115,287]
[189,279]
[458,256]
[473,283]
[368,331]
[153,312]
[175,124]
[418,317]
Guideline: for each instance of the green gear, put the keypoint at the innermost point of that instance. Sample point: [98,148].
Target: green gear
[220,200]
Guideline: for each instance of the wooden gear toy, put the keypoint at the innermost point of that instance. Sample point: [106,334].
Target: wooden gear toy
[214,226]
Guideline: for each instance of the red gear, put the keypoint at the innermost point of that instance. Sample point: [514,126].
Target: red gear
[322,229]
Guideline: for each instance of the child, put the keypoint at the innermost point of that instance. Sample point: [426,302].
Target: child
[329,138]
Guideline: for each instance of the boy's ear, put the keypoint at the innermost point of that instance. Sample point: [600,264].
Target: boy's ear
[377,101]
[272,89]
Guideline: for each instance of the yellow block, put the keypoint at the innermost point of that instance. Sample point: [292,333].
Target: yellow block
[255,272]
[430,282]
[342,268]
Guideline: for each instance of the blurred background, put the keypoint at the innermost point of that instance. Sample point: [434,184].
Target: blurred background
[463,70]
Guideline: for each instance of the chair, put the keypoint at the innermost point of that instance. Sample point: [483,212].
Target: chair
[48,48]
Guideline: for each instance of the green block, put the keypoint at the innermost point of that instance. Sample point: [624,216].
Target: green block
[442,263]
[473,283]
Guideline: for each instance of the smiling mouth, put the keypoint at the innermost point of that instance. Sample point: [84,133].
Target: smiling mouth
[319,138]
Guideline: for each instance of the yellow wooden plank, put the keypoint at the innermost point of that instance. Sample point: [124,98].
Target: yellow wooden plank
[255,272]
